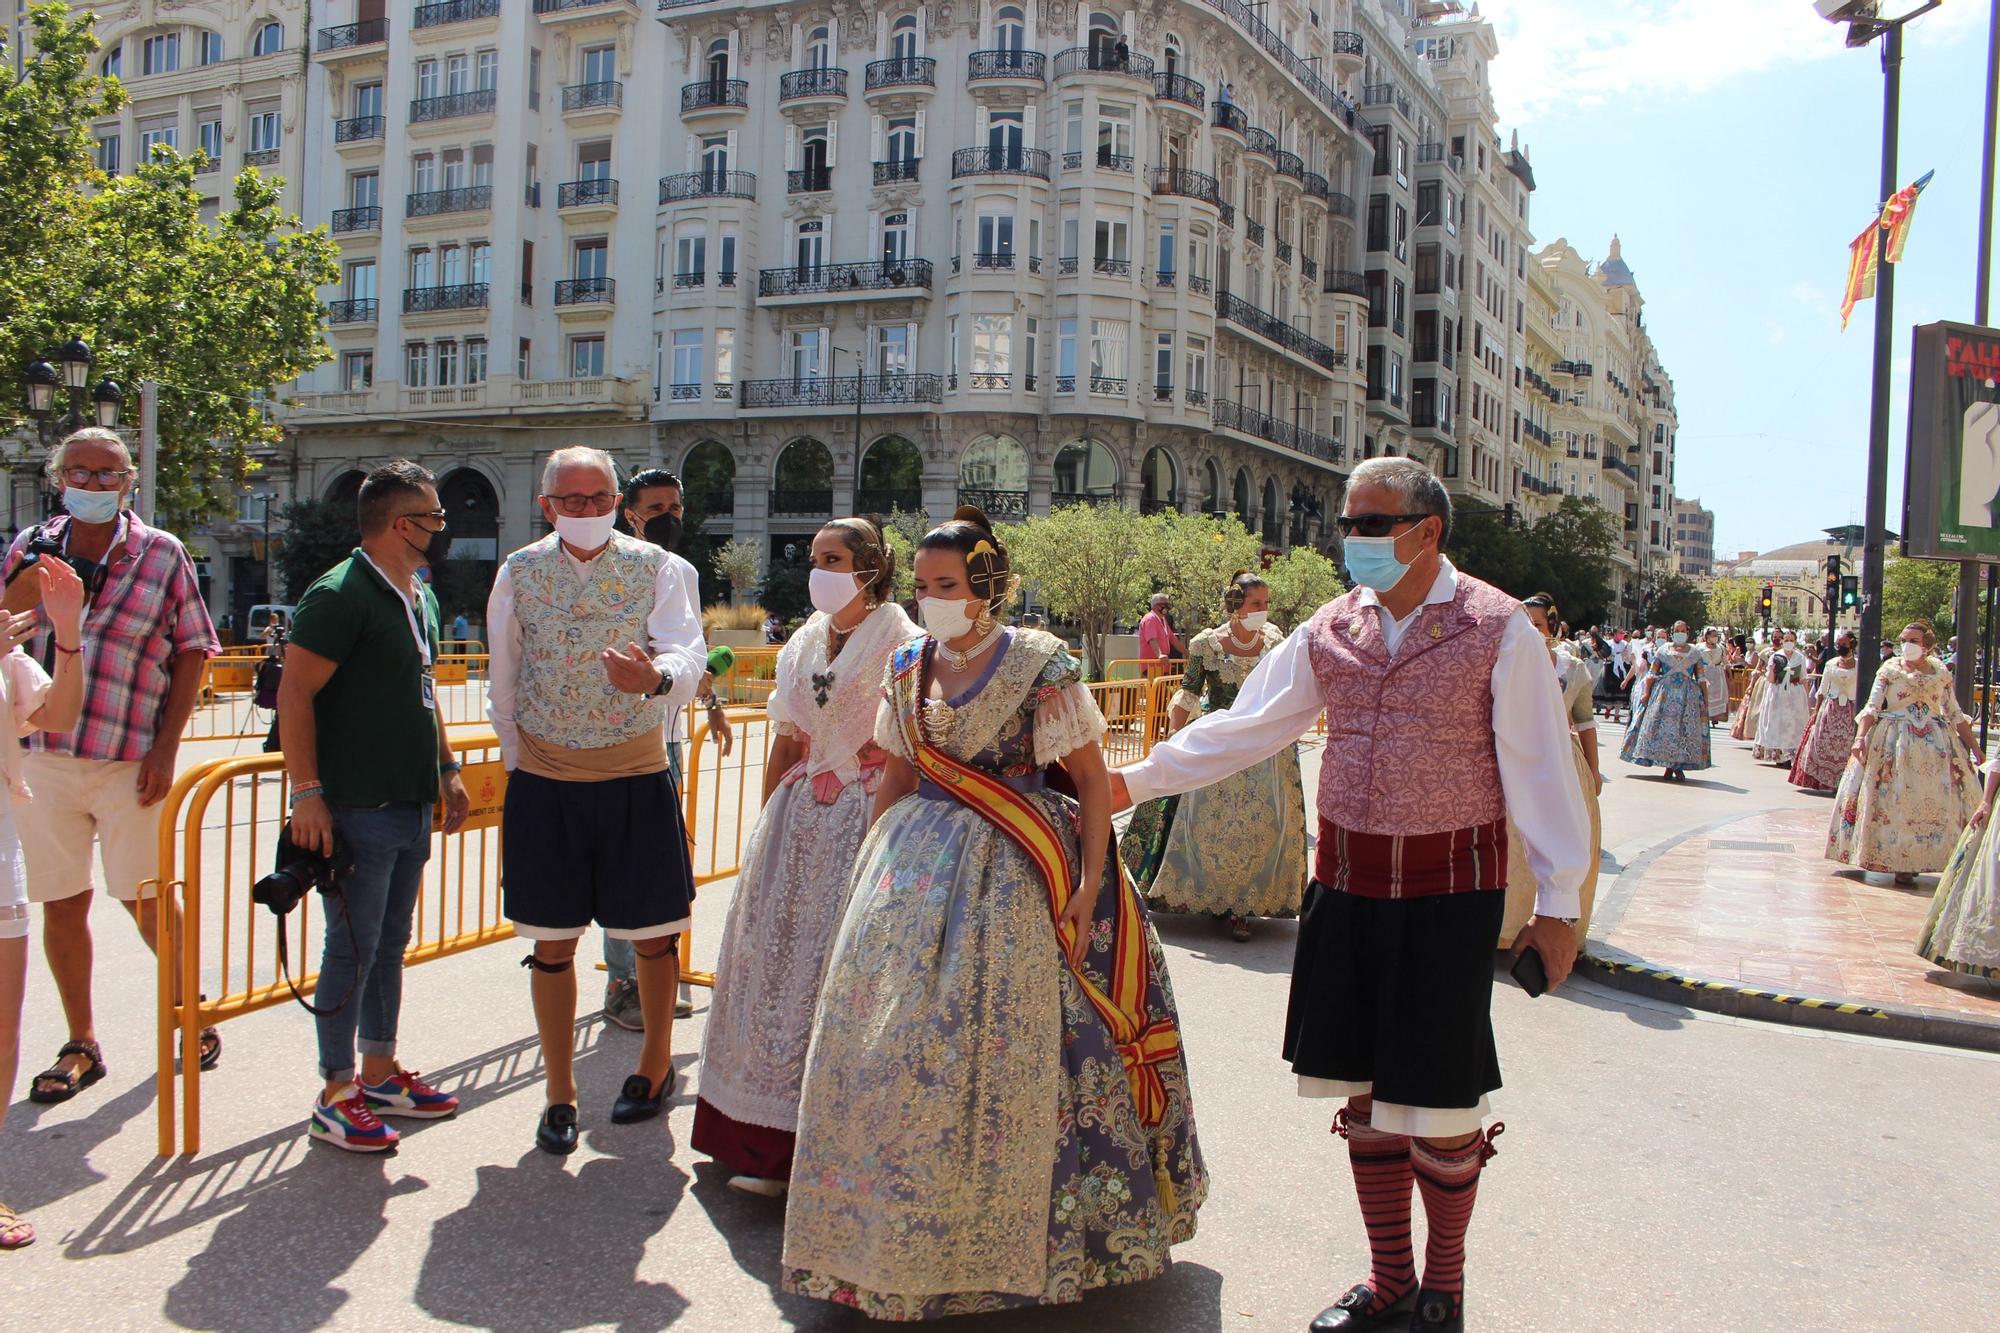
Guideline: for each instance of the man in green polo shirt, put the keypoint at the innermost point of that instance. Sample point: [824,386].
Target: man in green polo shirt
[357,714]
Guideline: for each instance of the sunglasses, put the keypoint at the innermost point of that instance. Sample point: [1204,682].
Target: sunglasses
[1374,525]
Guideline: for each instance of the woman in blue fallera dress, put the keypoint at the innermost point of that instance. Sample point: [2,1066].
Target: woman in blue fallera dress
[995,1109]
[1671,729]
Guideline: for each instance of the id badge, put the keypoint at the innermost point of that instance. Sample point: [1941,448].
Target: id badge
[430,689]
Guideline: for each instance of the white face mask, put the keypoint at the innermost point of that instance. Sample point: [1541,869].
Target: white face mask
[585,532]
[1914,652]
[832,590]
[1680,636]
[1254,620]
[947,617]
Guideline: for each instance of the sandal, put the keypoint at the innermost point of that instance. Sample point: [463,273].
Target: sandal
[69,1081]
[211,1048]
[16,1232]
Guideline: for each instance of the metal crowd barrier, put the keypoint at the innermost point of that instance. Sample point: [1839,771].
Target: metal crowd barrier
[225,710]
[1139,668]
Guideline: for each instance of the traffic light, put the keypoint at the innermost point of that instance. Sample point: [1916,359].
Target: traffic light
[1764,600]
[1850,591]
[1832,568]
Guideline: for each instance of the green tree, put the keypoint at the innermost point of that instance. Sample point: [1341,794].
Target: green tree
[463,583]
[218,315]
[1302,580]
[1191,557]
[1084,563]
[1919,590]
[1575,545]
[1501,554]
[1733,602]
[736,561]
[1677,598]
[319,534]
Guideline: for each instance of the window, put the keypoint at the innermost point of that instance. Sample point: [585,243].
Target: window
[479,262]
[417,365]
[475,360]
[1011,28]
[598,64]
[1163,365]
[1114,241]
[264,130]
[488,71]
[208,133]
[1065,355]
[1197,367]
[1427,269]
[367,99]
[1073,128]
[1402,232]
[992,351]
[591,258]
[357,371]
[1378,139]
[690,259]
[360,284]
[157,132]
[895,238]
[270,40]
[996,239]
[593,161]
[451,265]
[1107,355]
[903,38]
[688,362]
[428,85]
[725,356]
[210,47]
[457,75]
[892,350]
[1114,136]
[903,139]
[107,154]
[1031,348]
[586,356]
[420,267]
[523,358]
[811,247]
[1378,222]
[160,53]
[453,161]
[726,266]
[534,80]
[951,346]
[807,352]
[423,173]
[447,362]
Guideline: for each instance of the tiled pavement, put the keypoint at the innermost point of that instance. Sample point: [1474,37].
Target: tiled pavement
[1753,901]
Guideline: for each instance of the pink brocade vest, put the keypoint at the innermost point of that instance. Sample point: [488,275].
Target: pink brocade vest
[1409,743]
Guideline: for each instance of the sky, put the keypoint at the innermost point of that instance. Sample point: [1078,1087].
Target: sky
[1734,147]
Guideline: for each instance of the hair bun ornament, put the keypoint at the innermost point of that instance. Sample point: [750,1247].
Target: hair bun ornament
[972,514]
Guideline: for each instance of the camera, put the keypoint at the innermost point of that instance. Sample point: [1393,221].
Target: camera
[299,871]
[40,546]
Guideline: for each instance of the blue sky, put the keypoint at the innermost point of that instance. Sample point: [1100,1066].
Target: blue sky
[1733,146]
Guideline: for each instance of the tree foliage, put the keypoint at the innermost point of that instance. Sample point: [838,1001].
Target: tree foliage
[1084,562]
[219,315]
[1567,555]
[1302,580]
[736,561]
[1919,590]
[1677,598]
[319,534]
[1191,557]
[1733,602]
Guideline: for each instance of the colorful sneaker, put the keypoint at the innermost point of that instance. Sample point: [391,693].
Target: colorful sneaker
[405,1094]
[621,1005]
[349,1124]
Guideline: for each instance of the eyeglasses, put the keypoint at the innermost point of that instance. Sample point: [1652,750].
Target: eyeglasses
[1375,525]
[103,476]
[437,516]
[575,505]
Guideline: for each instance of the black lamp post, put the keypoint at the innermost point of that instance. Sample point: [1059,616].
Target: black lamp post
[106,399]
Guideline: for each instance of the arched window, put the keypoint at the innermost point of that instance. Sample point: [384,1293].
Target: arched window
[993,474]
[1242,496]
[802,482]
[708,480]
[270,40]
[1173,43]
[1211,487]
[819,49]
[1010,28]
[718,60]
[1270,511]
[472,509]
[1159,482]
[1103,35]
[1085,470]
[892,478]
[113,64]
[903,38]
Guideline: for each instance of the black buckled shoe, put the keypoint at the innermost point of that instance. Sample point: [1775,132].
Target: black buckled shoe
[557,1132]
[637,1101]
[1350,1314]
[1438,1312]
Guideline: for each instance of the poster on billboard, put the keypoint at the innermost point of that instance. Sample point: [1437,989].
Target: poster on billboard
[1951,488]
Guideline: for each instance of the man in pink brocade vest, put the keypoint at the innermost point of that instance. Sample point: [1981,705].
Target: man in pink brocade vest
[1443,720]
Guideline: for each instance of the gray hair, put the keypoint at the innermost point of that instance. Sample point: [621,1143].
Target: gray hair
[1159,597]
[1413,483]
[52,469]
[578,455]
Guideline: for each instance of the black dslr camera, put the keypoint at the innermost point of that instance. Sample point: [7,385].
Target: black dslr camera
[299,871]
[40,546]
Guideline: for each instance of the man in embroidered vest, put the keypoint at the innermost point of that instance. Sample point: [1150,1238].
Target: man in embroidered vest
[592,824]
[1442,720]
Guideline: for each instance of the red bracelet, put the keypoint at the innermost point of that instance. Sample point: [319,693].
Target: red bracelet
[71,651]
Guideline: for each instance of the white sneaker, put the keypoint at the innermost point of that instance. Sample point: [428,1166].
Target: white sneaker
[759,1186]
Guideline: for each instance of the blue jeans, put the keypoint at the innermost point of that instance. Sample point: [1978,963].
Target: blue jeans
[619,960]
[363,954]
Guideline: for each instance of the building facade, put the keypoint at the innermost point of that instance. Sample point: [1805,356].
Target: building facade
[1694,539]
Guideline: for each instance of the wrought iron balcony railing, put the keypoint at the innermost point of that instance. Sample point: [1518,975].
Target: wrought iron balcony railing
[348,36]
[1103,60]
[808,180]
[605,93]
[1346,282]
[586,291]
[1260,141]
[458,296]
[453,11]
[708,185]
[464,199]
[452,105]
[357,219]
[362,311]
[1238,311]
[583,194]
[900,72]
[715,93]
[357,129]
[902,169]
[1006,65]
[839,391]
[1192,184]
[995,504]
[1000,160]
[878,275]
[827,81]
[1229,116]
[1180,88]
[1235,416]
[1292,165]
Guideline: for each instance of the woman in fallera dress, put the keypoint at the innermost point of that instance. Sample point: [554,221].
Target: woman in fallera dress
[1715,674]
[819,787]
[1236,849]
[1912,779]
[1962,931]
[1574,676]
[995,1110]
[1672,729]
[1830,735]
[1744,728]
[1783,720]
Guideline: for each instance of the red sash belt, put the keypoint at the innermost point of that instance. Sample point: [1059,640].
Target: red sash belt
[1411,865]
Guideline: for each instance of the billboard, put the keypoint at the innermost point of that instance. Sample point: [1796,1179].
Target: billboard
[1951,495]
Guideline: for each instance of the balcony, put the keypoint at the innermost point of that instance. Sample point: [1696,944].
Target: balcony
[362,311]
[713,97]
[1386,94]
[1622,468]
[708,185]
[1284,249]
[1188,184]
[1229,116]
[898,74]
[346,220]
[261,157]
[997,160]
[891,173]
[1291,167]
[360,129]
[877,279]
[436,203]
[890,390]
[1309,267]
[593,103]
[798,504]
[1340,205]
[876,500]
[593,292]
[1180,88]
[809,180]
[1580,369]
[1253,231]
[355,38]
[1248,421]
[1112,268]
[480,101]
[1262,142]
[1235,310]
[1317,187]
[441,300]
[1014,66]
[1103,60]
[453,11]
[1348,49]
[588,198]
[1346,283]
[810,86]
[580,11]
[995,504]
[999,261]
[1429,153]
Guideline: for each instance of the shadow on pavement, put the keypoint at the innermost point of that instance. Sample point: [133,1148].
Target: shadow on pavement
[1273,940]
[755,1231]
[47,1155]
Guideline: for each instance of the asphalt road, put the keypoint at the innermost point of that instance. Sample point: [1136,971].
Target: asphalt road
[1661,1169]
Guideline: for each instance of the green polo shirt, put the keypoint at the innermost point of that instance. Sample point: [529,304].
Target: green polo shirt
[377,741]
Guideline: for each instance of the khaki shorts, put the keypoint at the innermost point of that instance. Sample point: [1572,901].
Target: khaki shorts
[75,801]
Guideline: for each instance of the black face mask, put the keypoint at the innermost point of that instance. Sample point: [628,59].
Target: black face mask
[664,530]
[437,550]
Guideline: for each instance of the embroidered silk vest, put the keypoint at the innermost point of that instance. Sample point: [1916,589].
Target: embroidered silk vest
[564,697]
[1409,745]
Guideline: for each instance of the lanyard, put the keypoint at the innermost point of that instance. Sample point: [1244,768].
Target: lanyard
[409,612]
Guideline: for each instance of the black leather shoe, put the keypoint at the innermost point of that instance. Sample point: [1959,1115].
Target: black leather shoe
[1350,1314]
[557,1132]
[637,1101]
[1438,1312]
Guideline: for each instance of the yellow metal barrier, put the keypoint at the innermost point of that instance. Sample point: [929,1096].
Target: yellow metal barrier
[225,712]
[752,678]
[1136,668]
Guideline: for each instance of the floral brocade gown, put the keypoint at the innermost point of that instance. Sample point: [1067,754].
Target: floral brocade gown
[1901,807]
[1671,727]
[968,1138]
[1237,846]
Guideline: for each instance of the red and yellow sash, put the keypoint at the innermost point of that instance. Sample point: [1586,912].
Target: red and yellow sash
[1143,1041]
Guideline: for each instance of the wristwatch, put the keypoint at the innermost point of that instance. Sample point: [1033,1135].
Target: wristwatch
[666,683]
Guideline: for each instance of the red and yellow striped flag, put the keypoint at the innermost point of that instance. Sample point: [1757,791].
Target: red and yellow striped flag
[1883,238]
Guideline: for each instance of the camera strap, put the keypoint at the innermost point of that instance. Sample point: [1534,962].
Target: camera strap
[285,967]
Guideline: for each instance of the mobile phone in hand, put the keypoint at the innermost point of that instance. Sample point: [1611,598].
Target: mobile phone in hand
[1531,972]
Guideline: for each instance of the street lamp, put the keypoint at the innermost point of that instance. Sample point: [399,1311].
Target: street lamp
[1865,23]
[106,400]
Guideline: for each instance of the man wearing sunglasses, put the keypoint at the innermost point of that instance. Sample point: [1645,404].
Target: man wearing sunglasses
[595,640]
[1443,719]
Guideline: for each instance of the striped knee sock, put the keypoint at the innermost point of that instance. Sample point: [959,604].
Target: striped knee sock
[1449,1181]
[1381,1164]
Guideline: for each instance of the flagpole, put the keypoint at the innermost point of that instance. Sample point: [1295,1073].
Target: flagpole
[1868,653]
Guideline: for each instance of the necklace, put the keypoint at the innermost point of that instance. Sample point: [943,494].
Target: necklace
[958,661]
[1253,641]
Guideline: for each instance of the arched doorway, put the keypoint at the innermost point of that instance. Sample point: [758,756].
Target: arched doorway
[1211,487]
[472,508]
[718,62]
[346,488]
[1241,497]
[708,481]
[802,481]
[1085,471]
[1159,482]
[1270,512]
[1103,39]
[993,474]
[892,478]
